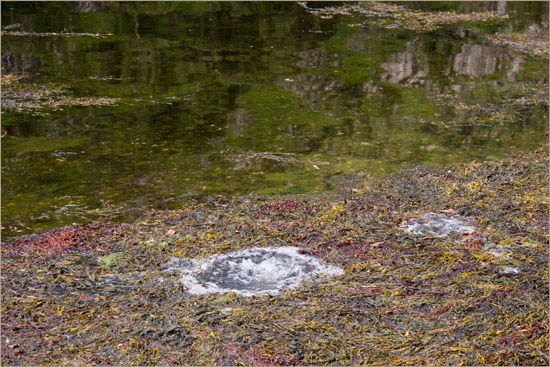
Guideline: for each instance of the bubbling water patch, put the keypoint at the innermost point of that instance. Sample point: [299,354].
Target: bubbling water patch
[437,225]
[253,271]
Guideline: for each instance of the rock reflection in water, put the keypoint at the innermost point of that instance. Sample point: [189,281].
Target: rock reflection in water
[239,120]
[13,63]
[476,60]
[320,59]
[362,43]
[406,66]
[311,87]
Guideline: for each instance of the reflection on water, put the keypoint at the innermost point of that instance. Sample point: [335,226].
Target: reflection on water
[20,64]
[239,97]
[408,65]
[313,87]
[320,59]
[476,60]
[500,7]
[239,120]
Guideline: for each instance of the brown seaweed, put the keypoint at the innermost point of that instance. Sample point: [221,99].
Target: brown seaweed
[97,293]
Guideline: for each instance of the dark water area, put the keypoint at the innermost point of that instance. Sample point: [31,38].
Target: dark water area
[235,98]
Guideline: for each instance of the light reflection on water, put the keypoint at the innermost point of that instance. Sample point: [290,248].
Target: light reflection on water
[228,99]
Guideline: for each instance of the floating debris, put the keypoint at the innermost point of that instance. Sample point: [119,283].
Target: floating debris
[106,78]
[523,95]
[54,34]
[400,17]
[437,225]
[246,160]
[39,99]
[252,271]
[534,41]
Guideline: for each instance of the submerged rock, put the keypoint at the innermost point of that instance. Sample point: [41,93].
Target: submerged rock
[437,225]
[251,271]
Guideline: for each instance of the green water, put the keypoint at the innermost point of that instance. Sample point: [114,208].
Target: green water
[237,98]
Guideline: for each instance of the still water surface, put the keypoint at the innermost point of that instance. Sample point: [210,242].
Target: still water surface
[237,98]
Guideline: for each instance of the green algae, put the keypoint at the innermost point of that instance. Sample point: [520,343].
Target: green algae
[108,260]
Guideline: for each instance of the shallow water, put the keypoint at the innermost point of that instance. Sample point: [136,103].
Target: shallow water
[232,98]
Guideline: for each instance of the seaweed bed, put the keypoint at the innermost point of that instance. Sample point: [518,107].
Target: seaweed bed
[97,294]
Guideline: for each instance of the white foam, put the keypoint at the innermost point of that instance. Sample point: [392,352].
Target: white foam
[437,225]
[251,271]
[510,270]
